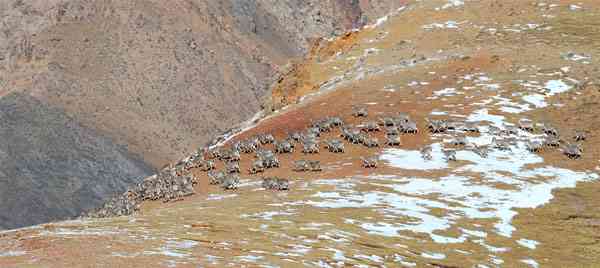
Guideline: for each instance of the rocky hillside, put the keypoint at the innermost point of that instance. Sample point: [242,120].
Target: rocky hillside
[159,78]
[162,76]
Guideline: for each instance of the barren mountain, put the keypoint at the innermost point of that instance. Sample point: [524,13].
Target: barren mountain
[159,78]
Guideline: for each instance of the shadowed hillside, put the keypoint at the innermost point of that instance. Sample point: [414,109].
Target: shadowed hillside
[54,168]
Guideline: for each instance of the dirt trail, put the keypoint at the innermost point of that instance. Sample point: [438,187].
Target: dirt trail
[490,63]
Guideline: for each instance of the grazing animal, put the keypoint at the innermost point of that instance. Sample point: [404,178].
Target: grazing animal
[284,147]
[310,147]
[359,111]
[275,183]
[534,146]
[426,152]
[370,126]
[231,182]
[549,130]
[266,138]
[393,140]
[580,135]
[257,167]
[573,151]
[526,125]
[216,177]
[501,144]
[369,162]
[450,155]
[335,146]
[233,167]
[370,142]
[301,166]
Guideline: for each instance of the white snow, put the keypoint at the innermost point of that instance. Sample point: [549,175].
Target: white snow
[538,100]
[12,253]
[433,255]
[530,244]
[408,159]
[445,25]
[556,87]
[452,4]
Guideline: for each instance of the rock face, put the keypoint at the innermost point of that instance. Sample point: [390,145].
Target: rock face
[52,167]
[161,77]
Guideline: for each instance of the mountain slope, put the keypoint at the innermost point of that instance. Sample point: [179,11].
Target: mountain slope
[471,188]
[54,168]
[160,78]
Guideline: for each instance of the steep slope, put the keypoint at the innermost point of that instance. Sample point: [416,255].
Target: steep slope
[52,167]
[162,77]
[158,77]
[467,74]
